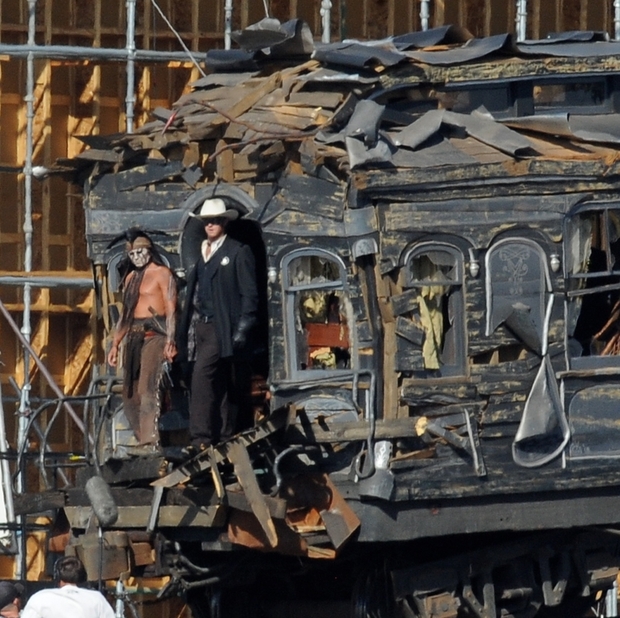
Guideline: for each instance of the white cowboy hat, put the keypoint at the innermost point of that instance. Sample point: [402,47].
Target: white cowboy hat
[215,207]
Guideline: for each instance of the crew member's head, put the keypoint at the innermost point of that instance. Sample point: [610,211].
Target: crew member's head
[10,595]
[215,217]
[69,570]
[140,251]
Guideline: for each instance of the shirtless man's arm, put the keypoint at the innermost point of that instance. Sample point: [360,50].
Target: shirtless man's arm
[169,294]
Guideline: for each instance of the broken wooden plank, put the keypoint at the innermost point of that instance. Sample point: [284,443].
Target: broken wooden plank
[236,499]
[238,455]
[410,330]
[201,462]
[168,516]
[29,503]
[409,358]
[158,494]
[224,162]
[405,302]
[325,431]
[247,101]
[111,156]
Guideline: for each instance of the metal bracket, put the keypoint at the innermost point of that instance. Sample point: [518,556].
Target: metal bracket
[553,594]
[486,609]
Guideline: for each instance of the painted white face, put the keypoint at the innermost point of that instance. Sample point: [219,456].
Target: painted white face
[140,257]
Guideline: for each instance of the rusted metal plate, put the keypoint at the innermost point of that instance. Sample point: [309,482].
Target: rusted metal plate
[244,529]
[339,519]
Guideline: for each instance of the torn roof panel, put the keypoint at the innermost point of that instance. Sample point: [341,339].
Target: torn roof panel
[358,55]
[292,38]
[266,33]
[572,36]
[444,35]
[602,128]
[438,151]
[365,121]
[484,129]
[490,132]
[345,116]
[471,50]
[571,50]
[237,60]
[420,130]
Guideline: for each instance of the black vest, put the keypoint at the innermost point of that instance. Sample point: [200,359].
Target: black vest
[204,298]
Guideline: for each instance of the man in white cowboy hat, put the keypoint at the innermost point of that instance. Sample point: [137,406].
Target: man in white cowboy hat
[219,314]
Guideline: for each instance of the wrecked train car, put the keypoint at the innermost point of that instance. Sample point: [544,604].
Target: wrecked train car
[437,225]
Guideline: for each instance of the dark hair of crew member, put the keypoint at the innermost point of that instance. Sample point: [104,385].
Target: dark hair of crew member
[69,570]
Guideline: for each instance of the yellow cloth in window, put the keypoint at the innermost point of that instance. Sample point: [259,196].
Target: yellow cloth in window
[431,316]
[324,358]
[314,307]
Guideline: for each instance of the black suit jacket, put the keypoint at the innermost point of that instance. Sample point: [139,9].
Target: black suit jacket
[235,295]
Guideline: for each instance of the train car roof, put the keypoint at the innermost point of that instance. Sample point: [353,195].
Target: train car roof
[403,116]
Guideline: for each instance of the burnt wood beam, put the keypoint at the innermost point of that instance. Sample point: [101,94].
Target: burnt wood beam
[400,522]
[416,74]
[539,173]
[26,504]
[167,517]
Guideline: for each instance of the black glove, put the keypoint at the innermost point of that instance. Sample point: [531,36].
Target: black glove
[240,337]
[238,341]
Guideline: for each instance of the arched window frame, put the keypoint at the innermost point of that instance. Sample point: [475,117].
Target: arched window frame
[459,366]
[548,305]
[290,292]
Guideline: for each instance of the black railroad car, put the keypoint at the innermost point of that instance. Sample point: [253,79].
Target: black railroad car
[436,222]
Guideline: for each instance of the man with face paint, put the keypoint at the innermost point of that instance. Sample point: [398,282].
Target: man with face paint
[148,320]
[218,318]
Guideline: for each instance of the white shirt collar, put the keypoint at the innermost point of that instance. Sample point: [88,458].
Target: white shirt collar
[215,245]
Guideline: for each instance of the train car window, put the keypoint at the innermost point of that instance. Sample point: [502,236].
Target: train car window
[433,307]
[580,94]
[593,320]
[518,291]
[316,312]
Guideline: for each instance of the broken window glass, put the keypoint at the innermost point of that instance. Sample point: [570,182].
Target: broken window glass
[434,273]
[594,283]
[317,312]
